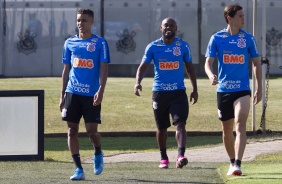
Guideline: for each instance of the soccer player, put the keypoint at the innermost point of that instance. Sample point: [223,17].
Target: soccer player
[232,47]
[171,57]
[85,58]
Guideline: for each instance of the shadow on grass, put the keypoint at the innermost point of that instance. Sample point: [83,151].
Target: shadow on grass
[131,143]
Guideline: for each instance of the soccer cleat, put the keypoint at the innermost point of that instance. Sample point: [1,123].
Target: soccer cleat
[78,175]
[237,170]
[164,164]
[181,161]
[230,171]
[234,170]
[98,163]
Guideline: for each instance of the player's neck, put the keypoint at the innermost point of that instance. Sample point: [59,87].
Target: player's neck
[232,29]
[84,36]
[168,40]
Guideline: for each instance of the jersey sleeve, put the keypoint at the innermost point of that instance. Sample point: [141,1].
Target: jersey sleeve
[211,48]
[105,53]
[187,57]
[253,51]
[66,54]
[148,55]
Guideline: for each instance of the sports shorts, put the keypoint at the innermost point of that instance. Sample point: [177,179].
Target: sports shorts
[225,103]
[174,103]
[75,106]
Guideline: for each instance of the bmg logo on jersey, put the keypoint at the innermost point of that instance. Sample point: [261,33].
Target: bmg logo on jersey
[169,65]
[83,63]
[233,59]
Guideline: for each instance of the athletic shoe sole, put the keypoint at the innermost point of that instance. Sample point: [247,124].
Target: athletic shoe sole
[181,162]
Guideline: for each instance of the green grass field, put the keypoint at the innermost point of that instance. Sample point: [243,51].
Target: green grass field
[58,166]
[123,111]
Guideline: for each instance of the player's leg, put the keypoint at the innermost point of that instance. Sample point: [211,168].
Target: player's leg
[161,136]
[226,115]
[228,138]
[161,114]
[92,118]
[242,107]
[95,138]
[179,110]
[181,136]
[71,113]
[73,145]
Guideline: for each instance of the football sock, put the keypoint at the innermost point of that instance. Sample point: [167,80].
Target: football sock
[232,161]
[181,151]
[238,162]
[97,150]
[76,160]
[163,154]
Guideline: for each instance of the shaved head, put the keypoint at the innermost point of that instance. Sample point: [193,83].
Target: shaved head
[169,19]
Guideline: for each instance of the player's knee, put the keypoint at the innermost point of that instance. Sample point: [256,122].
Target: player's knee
[92,133]
[180,126]
[72,132]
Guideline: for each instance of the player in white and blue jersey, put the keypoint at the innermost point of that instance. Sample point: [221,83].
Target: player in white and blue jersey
[85,58]
[171,57]
[233,47]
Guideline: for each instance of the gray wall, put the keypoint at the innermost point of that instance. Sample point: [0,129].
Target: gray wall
[127,25]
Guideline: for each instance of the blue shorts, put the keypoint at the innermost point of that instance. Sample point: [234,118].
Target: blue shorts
[225,103]
[75,106]
[174,103]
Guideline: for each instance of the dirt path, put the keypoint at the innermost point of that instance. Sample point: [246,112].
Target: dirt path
[214,154]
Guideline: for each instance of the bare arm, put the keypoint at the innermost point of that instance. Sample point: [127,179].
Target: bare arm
[65,79]
[98,97]
[139,76]
[208,69]
[258,74]
[192,75]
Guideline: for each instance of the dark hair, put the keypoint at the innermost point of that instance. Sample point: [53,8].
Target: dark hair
[231,10]
[86,11]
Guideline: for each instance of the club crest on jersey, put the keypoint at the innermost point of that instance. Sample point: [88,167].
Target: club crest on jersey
[176,51]
[241,43]
[91,47]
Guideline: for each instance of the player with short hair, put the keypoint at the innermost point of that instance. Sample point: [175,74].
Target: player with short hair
[232,47]
[85,58]
[171,57]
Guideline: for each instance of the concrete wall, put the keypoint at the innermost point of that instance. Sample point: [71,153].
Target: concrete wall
[33,32]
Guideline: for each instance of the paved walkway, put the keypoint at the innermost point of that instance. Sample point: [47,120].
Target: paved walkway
[214,154]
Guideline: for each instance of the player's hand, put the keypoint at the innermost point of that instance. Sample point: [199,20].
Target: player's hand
[257,97]
[98,97]
[61,105]
[213,79]
[194,95]
[137,87]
